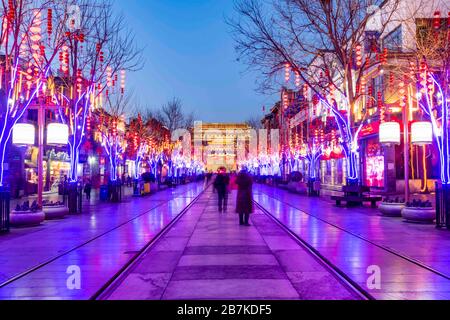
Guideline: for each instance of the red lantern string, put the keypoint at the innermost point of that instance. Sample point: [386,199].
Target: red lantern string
[437,20]
[287,72]
[122,81]
[49,22]
[297,79]
[36,37]
[358,55]
[423,77]
[402,94]
[79,81]
[11,11]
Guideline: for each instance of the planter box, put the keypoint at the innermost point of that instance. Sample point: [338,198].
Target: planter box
[55,212]
[392,209]
[419,215]
[26,219]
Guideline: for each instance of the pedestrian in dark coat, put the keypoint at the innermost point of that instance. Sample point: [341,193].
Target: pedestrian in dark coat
[244,201]
[88,189]
[221,185]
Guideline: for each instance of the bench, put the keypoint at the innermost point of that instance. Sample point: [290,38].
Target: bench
[356,196]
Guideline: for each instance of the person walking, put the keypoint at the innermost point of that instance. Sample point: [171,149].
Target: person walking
[221,185]
[244,201]
[88,189]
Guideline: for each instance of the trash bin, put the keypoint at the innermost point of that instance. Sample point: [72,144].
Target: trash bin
[104,193]
[147,188]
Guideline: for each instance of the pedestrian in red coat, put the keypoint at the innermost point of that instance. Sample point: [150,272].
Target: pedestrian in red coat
[244,201]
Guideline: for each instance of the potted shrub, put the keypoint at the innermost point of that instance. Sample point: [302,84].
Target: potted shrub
[392,207]
[27,216]
[55,210]
[419,211]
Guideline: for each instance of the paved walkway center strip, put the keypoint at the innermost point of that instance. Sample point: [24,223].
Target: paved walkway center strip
[207,255]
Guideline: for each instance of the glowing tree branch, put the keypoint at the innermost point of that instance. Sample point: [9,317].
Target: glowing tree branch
[25,62]
[138,143]
[96,54]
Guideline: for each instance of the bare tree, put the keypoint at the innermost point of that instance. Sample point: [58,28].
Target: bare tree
[329,45]
[172,115]
[254,123]
[93,61]
[27,52]
[424,69]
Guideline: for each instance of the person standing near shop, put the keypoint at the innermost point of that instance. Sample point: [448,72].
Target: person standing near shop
[221,185]
[88,189]
[244,201]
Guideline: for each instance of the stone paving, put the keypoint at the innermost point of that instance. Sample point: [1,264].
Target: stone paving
[207,255]
[333,231]
[100,242]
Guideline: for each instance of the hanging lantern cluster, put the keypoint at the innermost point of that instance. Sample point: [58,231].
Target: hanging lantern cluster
[359,57]
[11,12]
[305,94]
[49,23]
[88,123]
[332,90]
[362,87]
[64,59]
[122,81]
[383,57]
[35,37]
[285,100]
[381,107]
[114,127]
[423,77]
[287,72]
[297,79]
[79,81]
[402,94]
[437,20]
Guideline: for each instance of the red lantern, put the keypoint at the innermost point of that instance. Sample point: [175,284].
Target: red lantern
[437,20]
[359,59]
[287,72]
[49,22]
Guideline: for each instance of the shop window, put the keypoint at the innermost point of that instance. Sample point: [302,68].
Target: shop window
[374,165]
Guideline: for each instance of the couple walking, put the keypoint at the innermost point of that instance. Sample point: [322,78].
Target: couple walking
[244,200]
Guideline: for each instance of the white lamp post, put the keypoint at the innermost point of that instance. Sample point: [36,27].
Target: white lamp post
[57,134]
[421,133]
[390,133]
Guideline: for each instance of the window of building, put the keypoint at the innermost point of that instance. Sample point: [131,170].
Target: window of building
[393,41]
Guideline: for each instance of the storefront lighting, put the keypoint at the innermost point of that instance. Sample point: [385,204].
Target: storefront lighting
[421,133]
[57,134]
[23,134]
[390,133]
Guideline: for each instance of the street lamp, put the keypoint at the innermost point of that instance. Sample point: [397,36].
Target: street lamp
[57,134]
[421,133]
[23,134]
[390,133]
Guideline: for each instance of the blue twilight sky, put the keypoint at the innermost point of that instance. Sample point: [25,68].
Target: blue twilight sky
[190,54]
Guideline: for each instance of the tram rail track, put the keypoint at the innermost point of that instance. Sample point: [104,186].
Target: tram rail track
[327,264]
[108,288]
[385,248]
[47,262]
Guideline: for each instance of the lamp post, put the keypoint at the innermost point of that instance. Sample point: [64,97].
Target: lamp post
[41,108]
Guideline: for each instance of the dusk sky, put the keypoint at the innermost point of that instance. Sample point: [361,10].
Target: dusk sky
[190,54]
